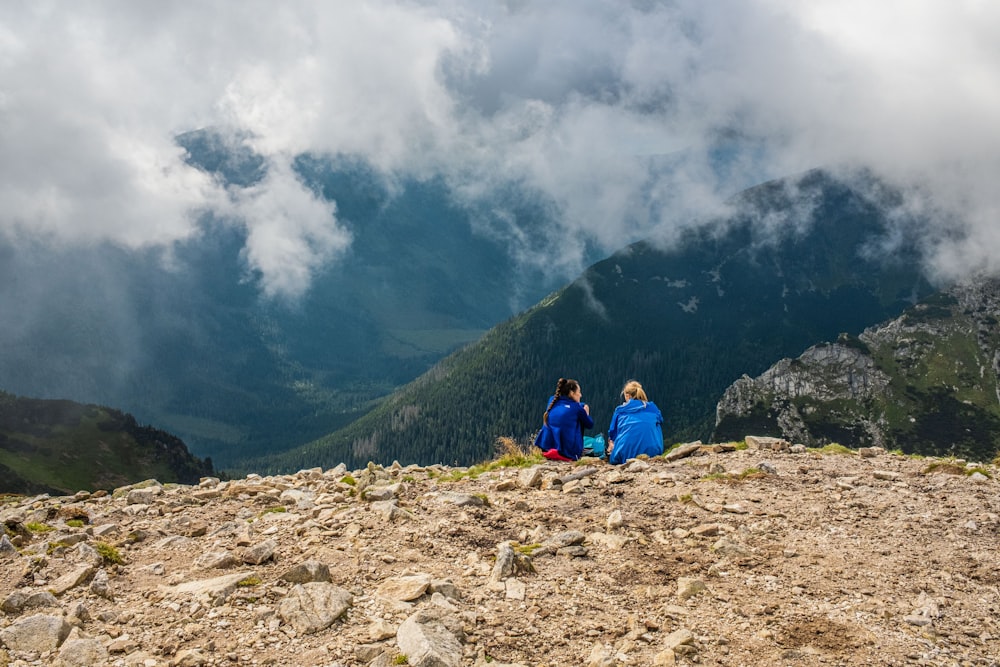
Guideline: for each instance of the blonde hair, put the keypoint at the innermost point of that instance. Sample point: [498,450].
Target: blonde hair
[633,389]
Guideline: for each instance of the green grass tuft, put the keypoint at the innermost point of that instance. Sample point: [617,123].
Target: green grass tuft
[834,449]
[36,527]
[109,553]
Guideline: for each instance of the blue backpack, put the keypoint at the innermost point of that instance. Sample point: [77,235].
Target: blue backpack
[594,446]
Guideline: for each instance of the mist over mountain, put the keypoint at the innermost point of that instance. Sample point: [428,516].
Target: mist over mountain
[800,260]
[187,342]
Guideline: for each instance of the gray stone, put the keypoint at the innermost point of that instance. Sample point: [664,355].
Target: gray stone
[215,560]
[727,547]
[767,443]
[71,579]
[82,653]
[602,655]
[306,572]
[143,496]
[681,637]
[683,451]
[6,547]
[688,587]
[39,633]
[101,585]
[530,478]
[14,603]
[566,539]
[429,640]
[192,657]
[463,499]
[40,599]
[259,553]
[767,467]
[447,588]
[215,590]
[390,510]
[377,493]
[314,606]
[405,588]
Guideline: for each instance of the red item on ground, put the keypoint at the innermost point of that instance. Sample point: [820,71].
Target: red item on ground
[554,455]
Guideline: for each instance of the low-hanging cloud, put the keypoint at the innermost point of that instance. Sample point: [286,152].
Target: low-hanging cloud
[613,113]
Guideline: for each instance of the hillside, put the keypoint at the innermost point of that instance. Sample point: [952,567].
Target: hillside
[926,382]
[758,557]
[790,267]
[189,343]
[55,446]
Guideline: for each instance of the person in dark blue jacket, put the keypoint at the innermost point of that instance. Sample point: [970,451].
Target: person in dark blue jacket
[636,426]
[561,437]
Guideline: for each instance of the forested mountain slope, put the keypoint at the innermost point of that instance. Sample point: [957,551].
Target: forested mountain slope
[791,266]
[926,382]
[61,447]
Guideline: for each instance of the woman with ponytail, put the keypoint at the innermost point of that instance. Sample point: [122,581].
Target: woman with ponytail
[636,427]
[561,437]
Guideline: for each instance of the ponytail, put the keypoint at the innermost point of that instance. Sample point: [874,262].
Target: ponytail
[633,389]
[563,388]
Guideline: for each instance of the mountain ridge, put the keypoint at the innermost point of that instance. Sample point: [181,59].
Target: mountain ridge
[686,322]
[926,382]
[60,446]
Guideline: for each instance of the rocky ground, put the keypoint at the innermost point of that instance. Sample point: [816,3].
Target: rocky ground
[764,556]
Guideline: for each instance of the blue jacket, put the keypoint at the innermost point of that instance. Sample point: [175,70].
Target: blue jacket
[635,429]
[564,432]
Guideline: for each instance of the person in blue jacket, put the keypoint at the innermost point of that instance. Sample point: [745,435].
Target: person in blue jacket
[636,426]
[561,437]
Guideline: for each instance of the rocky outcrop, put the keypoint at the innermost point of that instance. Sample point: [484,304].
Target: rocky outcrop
[768,555]
[924,382]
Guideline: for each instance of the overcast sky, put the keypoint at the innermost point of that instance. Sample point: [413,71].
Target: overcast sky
[559,96]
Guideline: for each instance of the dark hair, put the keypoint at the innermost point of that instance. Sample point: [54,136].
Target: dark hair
[564,387]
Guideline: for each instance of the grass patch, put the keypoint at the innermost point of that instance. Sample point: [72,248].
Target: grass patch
[685,498]
[35,527]
[75,523]
[834,449]
[250,581]
[400,659]
[952,468]
[509,455]
[276,509]
[733,478]
[109,553]
[55,545]
[349,480]
[527,549]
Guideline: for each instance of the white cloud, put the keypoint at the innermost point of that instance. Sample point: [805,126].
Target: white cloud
[290,232]
[558,97]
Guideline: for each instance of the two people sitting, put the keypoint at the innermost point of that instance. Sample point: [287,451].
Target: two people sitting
[636,426]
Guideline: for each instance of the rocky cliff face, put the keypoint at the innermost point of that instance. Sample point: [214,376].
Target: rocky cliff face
[924,382]
[766,556]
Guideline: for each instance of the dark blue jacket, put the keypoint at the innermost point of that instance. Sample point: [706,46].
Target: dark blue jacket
[636,429]
[564,432]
